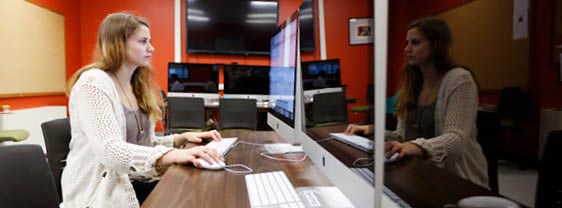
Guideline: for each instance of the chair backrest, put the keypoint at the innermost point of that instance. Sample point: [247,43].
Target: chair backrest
[488,125]
[329,107]
[57,135]
[238,114]
[549,182]
[26,179]
[512,103]
[186,112]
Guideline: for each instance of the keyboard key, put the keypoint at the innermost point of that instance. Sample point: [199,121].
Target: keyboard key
[272,189]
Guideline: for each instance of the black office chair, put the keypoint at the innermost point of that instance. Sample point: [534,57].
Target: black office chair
[513,108]
[237,114]
[57,135]
[329,109]
[488,124]
[185,114]
[549,182]
[26,180]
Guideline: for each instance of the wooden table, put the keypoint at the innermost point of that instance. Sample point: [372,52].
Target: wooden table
[417,181]
[187,186]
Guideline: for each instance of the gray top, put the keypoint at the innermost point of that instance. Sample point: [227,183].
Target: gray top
[454,146]
[135,120]
[420,122]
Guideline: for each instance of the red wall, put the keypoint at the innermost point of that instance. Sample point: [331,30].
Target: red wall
[71,12]
[160,15]
[356,61]
[82,19]
[544,80]
[545,74]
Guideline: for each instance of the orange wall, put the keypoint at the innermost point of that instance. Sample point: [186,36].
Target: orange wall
[356,61]
[83,18]
[160,14]
[71,12]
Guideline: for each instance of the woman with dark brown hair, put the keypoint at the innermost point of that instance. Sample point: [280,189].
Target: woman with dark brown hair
[437,106]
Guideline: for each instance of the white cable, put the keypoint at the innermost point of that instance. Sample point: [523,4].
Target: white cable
[370,161]
[229,169]
[266,155]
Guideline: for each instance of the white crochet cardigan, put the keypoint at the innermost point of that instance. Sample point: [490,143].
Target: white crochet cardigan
[454,148]
[100,160]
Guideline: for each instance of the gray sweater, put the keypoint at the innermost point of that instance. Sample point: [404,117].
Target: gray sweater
[454,148]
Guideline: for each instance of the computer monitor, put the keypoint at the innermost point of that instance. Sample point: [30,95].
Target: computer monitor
[246,81]
[321,74]
[320,77]
[284,56]
[193,80]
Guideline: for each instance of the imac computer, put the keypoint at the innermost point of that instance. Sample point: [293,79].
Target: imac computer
[193,80]
[357,173]
[246,81]
[284,56]
[320,77]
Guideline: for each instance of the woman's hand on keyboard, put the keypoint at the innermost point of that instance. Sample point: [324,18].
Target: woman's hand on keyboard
[362,129]
[196,137]
[185,156]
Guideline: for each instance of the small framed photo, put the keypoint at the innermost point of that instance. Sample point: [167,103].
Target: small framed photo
[360,31]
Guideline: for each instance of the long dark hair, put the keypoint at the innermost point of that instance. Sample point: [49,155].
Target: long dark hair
[438,34]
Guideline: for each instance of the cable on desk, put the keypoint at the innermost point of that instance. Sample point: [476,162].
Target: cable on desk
[358,162]
[266,155]
[229,168]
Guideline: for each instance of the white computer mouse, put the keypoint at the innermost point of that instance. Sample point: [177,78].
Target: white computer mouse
[213,166]
[486,201]
[392,158]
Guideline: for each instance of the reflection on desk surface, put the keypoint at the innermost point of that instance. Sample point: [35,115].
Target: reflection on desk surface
[416,181]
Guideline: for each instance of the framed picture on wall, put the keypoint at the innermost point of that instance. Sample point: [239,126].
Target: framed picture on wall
[361,31]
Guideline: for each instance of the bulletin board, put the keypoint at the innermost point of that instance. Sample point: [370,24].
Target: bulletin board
[483,41]
[32,59]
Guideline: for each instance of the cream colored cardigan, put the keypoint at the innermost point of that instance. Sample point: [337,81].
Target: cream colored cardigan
[454,148]
[100,160]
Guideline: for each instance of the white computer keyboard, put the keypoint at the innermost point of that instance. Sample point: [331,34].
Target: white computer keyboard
[271,189]
[358,142]
[224,145]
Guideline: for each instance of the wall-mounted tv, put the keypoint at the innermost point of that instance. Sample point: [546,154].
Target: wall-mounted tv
[306,21]
[230,27]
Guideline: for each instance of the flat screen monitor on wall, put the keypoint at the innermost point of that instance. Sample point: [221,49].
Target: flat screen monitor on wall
[246,80]
[282,76]
[230,27]
[306,31]
[193,78]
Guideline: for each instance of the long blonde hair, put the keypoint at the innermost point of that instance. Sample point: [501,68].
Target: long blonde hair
[439,35]
[110,54]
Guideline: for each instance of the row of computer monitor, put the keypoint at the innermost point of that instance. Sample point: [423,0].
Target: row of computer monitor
[246,79]
[285,81]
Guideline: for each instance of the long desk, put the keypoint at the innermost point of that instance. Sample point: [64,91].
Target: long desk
[417,181]
[187,186]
